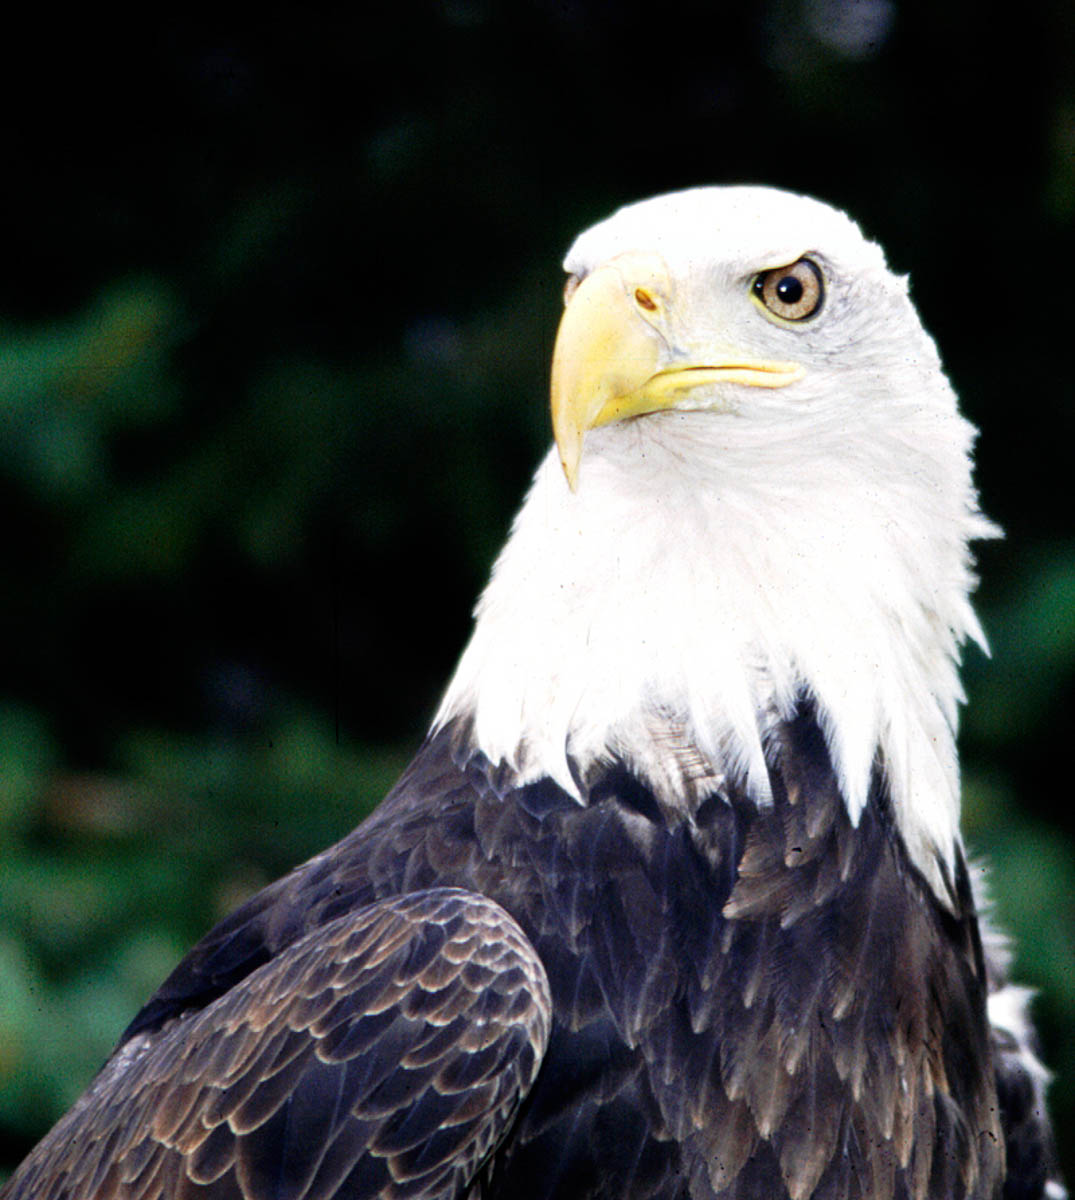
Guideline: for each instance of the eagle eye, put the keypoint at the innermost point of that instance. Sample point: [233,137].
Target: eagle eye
[792,293]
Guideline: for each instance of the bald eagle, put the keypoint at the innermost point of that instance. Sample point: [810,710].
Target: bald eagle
[672,901]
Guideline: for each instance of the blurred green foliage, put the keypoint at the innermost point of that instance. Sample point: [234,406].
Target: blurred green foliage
[274,326]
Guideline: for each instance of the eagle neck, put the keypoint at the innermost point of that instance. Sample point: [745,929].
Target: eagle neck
[676,625]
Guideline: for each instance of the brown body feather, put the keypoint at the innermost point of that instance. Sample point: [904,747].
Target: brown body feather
[745,1002]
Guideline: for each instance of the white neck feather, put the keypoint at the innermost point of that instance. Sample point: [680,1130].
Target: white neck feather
[710,571]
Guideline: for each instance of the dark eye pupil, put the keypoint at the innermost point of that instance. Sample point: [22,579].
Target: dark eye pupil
[789,290]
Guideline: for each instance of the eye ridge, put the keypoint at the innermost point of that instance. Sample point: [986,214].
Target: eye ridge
[792,293]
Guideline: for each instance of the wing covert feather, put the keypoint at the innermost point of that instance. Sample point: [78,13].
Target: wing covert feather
[384,1054]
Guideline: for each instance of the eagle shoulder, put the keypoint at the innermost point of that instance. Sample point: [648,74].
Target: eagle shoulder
[385,1053]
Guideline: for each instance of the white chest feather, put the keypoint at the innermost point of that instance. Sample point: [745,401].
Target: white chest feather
[658,599]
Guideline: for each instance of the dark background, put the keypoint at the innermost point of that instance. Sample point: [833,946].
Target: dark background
[276,304]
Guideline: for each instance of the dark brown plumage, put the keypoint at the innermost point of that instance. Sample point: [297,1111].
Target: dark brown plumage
[385,1053]
[735,997]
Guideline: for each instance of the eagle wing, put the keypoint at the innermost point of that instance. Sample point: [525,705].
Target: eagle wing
[383,1054]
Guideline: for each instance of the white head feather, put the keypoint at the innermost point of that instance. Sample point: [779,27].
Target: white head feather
[716,564]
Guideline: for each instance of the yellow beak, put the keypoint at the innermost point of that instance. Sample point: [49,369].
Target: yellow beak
[606,362]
